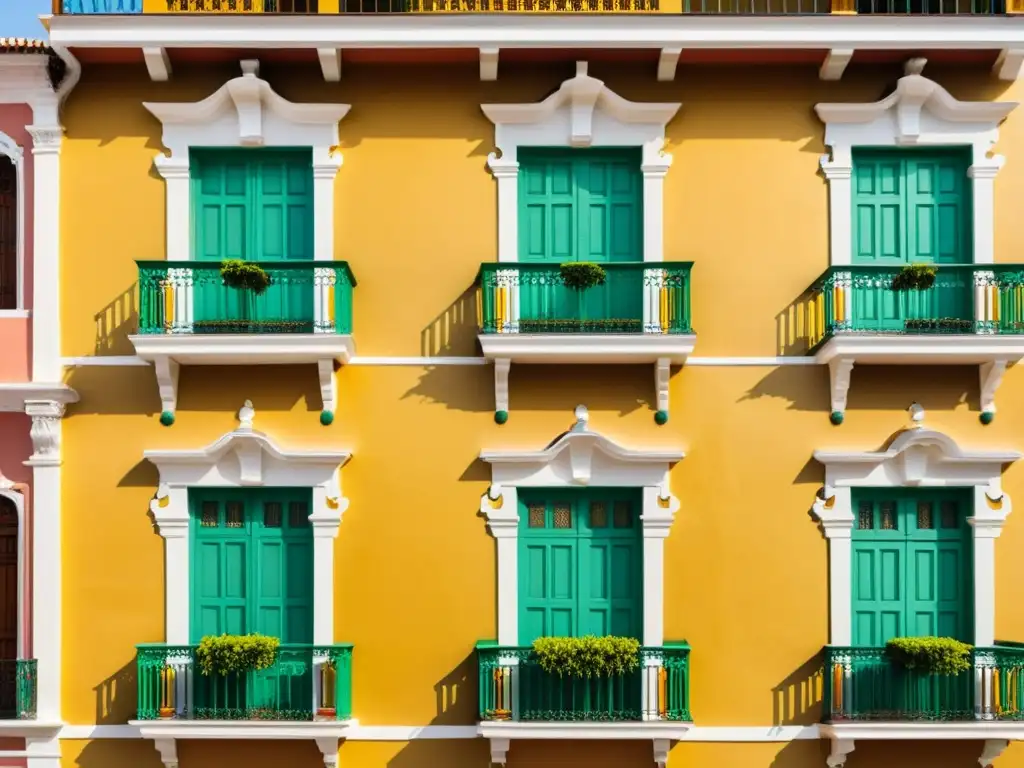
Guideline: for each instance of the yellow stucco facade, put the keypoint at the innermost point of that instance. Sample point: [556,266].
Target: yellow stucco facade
[746,568]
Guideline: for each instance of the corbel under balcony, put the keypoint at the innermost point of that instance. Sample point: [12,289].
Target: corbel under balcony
[661,734]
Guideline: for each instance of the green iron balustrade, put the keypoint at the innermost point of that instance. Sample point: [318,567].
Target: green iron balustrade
[514,687]
[18,689]
[965,299]
[636,297]
[191,297]
[863,684]
[306,682]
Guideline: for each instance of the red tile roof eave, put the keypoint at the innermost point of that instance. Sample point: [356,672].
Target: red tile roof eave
[23,45]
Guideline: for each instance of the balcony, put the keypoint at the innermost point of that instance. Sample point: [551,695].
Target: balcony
[187,315]
[865,696]
[306,694]
[518,700]
[17,690]
[972,315]
[639,314]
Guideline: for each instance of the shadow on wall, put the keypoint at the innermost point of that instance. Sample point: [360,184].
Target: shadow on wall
[872,387]
[797,699]
[116,696]
[115,322]
[614,388]
[795,328]
[453,332]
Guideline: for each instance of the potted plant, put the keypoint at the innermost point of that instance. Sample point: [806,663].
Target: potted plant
[915,277]
[930,655]
[580,275]
[587,656]
[244,276]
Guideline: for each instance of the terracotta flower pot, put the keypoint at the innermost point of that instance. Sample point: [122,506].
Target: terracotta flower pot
[166,713]
[501,714]
[326,713]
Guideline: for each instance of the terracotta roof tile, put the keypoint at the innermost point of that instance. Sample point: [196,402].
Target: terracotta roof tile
[22,45]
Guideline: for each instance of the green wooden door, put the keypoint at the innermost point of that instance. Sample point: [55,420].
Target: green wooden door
[911,565]
[252,572]
[581,205]
[911,207]
[580,568]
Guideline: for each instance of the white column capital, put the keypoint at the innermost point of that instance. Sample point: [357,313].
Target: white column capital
[500,507]
[45,431]
[46,139]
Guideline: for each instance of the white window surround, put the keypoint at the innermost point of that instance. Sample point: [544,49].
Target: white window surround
[9,148]
[919,113]
[583,113]
[246,112]
[580,458]
[15,493]
[917,458]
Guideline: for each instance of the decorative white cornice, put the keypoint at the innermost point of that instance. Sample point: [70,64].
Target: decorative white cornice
[579,456]
[914,96]
[581,97]
[252,101]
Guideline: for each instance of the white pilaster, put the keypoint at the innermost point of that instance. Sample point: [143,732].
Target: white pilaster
[42,752]
[991,508]
[839,172]
[324,173]
[46,141]
[655,165]
[506,172]
[170,511]
[328,507]
[983,205]
[177,173]
[500,505]
[46,553]
[659,509]
[836,516]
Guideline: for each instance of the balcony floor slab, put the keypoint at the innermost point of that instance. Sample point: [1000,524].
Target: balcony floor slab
[588,348]
[921,349]
[245,349]
[242,729]
[30,729]
[960,730]
[652,729]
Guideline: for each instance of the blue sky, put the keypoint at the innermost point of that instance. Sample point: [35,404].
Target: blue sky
[20,18]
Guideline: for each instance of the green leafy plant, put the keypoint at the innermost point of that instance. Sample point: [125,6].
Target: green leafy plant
[930,655]
[587,656]
[915,277]
[224,654]
[581,275]
[940,325]
[244,275]
[573,325]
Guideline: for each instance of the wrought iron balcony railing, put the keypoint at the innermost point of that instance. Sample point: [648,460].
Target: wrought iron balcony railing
[190,297]
[18,689]
[306,682]
[711,7]
[965,299]
[514,687]
[636,297]
[863,684]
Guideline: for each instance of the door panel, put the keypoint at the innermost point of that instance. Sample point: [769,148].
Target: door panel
[911,565]
[580,566]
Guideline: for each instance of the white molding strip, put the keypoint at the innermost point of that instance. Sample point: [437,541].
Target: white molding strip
[708,733]
[713,362]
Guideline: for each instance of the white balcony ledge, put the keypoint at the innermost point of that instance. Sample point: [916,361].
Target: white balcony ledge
[165,734]
[992,353]
[167,352]
[996,736]
[663,350]
[661,733]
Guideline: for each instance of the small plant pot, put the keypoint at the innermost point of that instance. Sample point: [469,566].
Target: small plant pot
[166,713]
[326,713]
[501,714]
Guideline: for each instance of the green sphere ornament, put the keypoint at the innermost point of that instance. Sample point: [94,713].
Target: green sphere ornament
[326,418]
[986,417]
[500,417]
[836,417]
[167,418]
[661,417]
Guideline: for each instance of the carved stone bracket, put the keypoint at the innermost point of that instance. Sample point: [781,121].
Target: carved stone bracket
[45,431]
[839,751]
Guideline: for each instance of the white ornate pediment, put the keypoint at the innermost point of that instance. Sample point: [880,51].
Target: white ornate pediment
[581,457]
[583,112]
[918,111]
[247,457]
[246,111]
